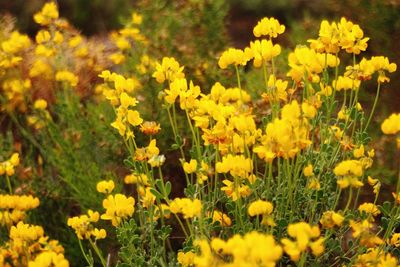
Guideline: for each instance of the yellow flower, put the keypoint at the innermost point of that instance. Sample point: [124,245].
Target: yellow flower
[328,40]
[348,172]
[222,218]
[303,234]
[286,136]
[67,76]
[309,111]
[395,240]
[75,41]
[187,207]
[23,202]
[369,208]
[105,187]
[40,68]
[260,207]
[359,152]
[252,249]
[391,125]
[382,64]
[239,166]
[83,225]
[117,58]
[99,234]
[232,56]
[140,179]
[269,27]
[346,83]
[15,44]
[186,259]
[261,52]
[134,118]
[364,231]
[26,232]
[376,257]
[306,63]
[169,69]
[14,159]
[136,18]
[118,207]
[348,167]
[235,192]
[48,259]
[190,167]
[48,13]
[40,104]
[308,170]
[264,208]
[331,219]
[42,36]
[150,127]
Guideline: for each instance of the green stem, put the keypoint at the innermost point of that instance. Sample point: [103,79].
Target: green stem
[349,200]
[374,106]
[90,262]
[9,184]
[98,252]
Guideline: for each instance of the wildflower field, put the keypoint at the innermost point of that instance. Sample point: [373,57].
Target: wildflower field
[136,148]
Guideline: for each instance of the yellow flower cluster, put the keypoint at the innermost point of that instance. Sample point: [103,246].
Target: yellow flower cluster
[150,127]
[169,70]
[348,172]
[187,207]
[41,116]
[118,95]
[252,249]
[47,15]
[26,232]
[343,35]
[305,236]
[391,125]
[222,218]
[261,51]
[233,56]
[190,167]
[118,207]
[28,246]
[376,257]
[84,228]
[187,93]
[369,208]
[264,208]
[237,166]
[150,154]
[285,137]
[330,219]
[8,167]
[364,231]
[269,27]
[186,259]
[105,187]
[67,76]
[13,208]
[126,38]
[49,259]
[367,67]
[395,240]
[306,63]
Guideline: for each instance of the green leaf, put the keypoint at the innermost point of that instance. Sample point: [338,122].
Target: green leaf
[157,194]
[167,188]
